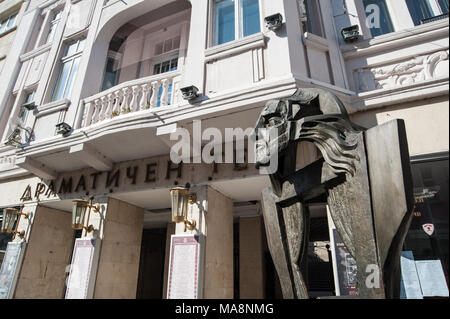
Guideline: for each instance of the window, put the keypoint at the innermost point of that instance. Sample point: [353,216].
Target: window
[8,23]
[310,17]
[23,112]
[419,10]
[234,19]
[163,67]
[378,19]
[443,4]
[167,46]
[53,25]
[69,67]
[112,71]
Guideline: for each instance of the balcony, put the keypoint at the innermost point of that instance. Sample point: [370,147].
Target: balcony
[149,93]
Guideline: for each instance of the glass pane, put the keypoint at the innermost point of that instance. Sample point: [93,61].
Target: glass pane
[57,15]
[81,45]
[51,33]
[62,80]
[431,207]
[173,64]
[71,49]
[23,114]
[11,22]
[72,76]
[419,10]
[444,6]
[111,74]
[157,69]
[378,24]
[225,21]
[250,17]
[165,67]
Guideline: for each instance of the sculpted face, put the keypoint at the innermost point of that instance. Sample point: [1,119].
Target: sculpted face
[272,132]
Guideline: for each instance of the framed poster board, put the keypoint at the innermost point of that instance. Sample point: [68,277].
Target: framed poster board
[185,267]
[83,269]
[10,269]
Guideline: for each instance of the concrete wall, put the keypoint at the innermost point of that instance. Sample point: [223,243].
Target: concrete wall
[426,123]
[219,247]
[47,256]
[251,273]
[118,267]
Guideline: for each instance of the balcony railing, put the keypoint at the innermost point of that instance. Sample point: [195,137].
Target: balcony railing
[132,96]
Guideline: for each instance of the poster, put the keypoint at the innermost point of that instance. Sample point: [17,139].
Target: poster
[346,267]
[10,268]
[185,265]
[82,269]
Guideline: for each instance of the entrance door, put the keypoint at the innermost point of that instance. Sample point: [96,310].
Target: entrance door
[151,269]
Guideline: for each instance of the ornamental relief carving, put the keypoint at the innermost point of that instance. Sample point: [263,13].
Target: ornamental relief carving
[414,70]
[7,162]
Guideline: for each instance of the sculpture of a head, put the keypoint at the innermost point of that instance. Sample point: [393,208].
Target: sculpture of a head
[312,115]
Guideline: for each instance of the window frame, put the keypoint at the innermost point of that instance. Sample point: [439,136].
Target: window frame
[62,62]
[6,21]
[52,25]
[238,22]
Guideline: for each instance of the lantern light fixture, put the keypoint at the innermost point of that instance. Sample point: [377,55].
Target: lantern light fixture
[79,214]
[11,220]
[181,199]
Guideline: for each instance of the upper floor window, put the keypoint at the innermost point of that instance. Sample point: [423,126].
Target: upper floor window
[53,25]
[234,19]
[378,19]
[23,112]
[310,17]
[443,4]
[8,23]
[68,70]
[421,10]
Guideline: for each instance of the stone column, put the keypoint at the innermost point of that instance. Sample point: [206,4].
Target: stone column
[170,232]
[213,213]
[118,267]
[50,238]
[251,273]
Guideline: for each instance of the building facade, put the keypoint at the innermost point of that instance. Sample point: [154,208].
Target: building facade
[91,91]
[10,14]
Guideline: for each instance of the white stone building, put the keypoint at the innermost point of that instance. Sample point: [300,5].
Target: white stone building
[111,72]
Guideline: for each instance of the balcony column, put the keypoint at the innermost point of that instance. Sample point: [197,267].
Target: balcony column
[194,70]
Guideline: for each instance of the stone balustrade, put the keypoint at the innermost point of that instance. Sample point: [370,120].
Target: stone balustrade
[132,96]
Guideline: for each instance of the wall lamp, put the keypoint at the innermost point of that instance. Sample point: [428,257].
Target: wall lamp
[79,213]
[189,92]
[11,220]
[274,22]
[350,34]
[14,139]
[181,198]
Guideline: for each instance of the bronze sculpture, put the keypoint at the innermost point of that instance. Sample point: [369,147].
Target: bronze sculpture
[364,175]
